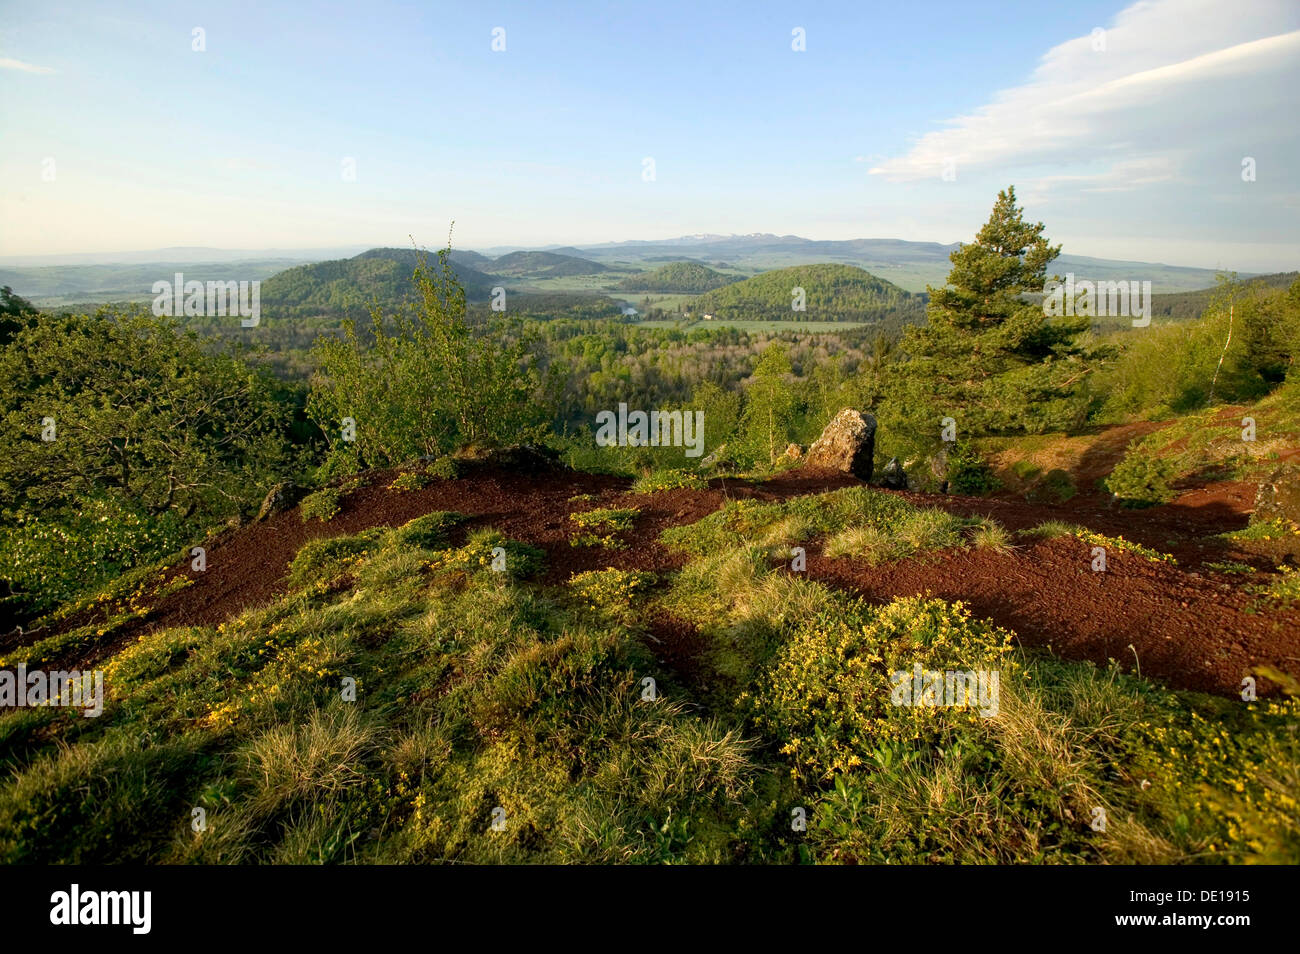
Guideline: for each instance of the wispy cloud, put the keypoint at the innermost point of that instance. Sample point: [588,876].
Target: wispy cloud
[7,64]
[1127,91]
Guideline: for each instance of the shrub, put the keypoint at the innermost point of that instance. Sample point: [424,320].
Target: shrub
[969,474]
[603,526]
[1285,587]
[1142,480]
[427,383]
[409,480]
[1275,528]
[142,409]
[322,559]
[48,560]
[668,480]
[444,468]
[486,549]
[1026,470]
[1057,485]
[1238,349]
[829,693]
[428,532]
[1123,546]
[322,505]
[610,591]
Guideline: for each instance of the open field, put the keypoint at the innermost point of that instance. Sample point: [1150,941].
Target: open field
[798,326]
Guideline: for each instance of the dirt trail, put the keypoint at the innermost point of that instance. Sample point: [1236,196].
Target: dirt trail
[1187,630]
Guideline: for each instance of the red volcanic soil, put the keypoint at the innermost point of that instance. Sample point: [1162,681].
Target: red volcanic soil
[1177,625]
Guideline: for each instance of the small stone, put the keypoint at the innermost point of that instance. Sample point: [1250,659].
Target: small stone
[893,477]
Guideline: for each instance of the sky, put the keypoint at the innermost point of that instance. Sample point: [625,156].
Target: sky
[1160,131]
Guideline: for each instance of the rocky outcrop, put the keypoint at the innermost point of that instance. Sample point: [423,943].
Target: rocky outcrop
[1278,495]
[793,451]
[892,475]
[518,458]
[939,467]
[281,497]
[847,445]
[718,460]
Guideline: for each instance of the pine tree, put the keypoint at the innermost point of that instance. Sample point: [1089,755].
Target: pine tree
[987,356]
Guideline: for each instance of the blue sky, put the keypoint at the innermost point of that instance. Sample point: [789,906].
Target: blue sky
[1132,150]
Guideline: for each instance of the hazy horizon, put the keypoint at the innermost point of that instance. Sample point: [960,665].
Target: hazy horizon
[195,253]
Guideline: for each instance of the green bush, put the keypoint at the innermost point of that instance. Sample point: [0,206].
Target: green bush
[427,532]
[409,480]
[48,560]
[137,407]
[1142,480]
[321,559]
[830,694]
[668,480]
[1241,347]
[603,527]
[1026,469]
[969,474]
[444,468]
[322,505]
[611,592]
[423,382]
[480,552]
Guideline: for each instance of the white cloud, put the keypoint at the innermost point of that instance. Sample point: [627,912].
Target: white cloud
[8,64]
[1174,77]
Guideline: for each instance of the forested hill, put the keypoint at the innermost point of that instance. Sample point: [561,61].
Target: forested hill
[1192,304]
[542,265]
[831,293]
[676,278]
[347,286]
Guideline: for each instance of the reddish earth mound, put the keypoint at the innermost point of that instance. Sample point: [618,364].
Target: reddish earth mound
[1185,629]
[1178,627]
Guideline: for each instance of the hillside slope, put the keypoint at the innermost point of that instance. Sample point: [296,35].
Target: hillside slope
[372,690]
[1189,305]
[543,265]
[676,278]
[347,286]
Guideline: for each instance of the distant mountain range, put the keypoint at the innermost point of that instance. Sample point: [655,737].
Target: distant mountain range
[910,265]
[180,254]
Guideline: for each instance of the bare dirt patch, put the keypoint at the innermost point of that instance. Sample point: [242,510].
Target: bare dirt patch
[1186,629]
